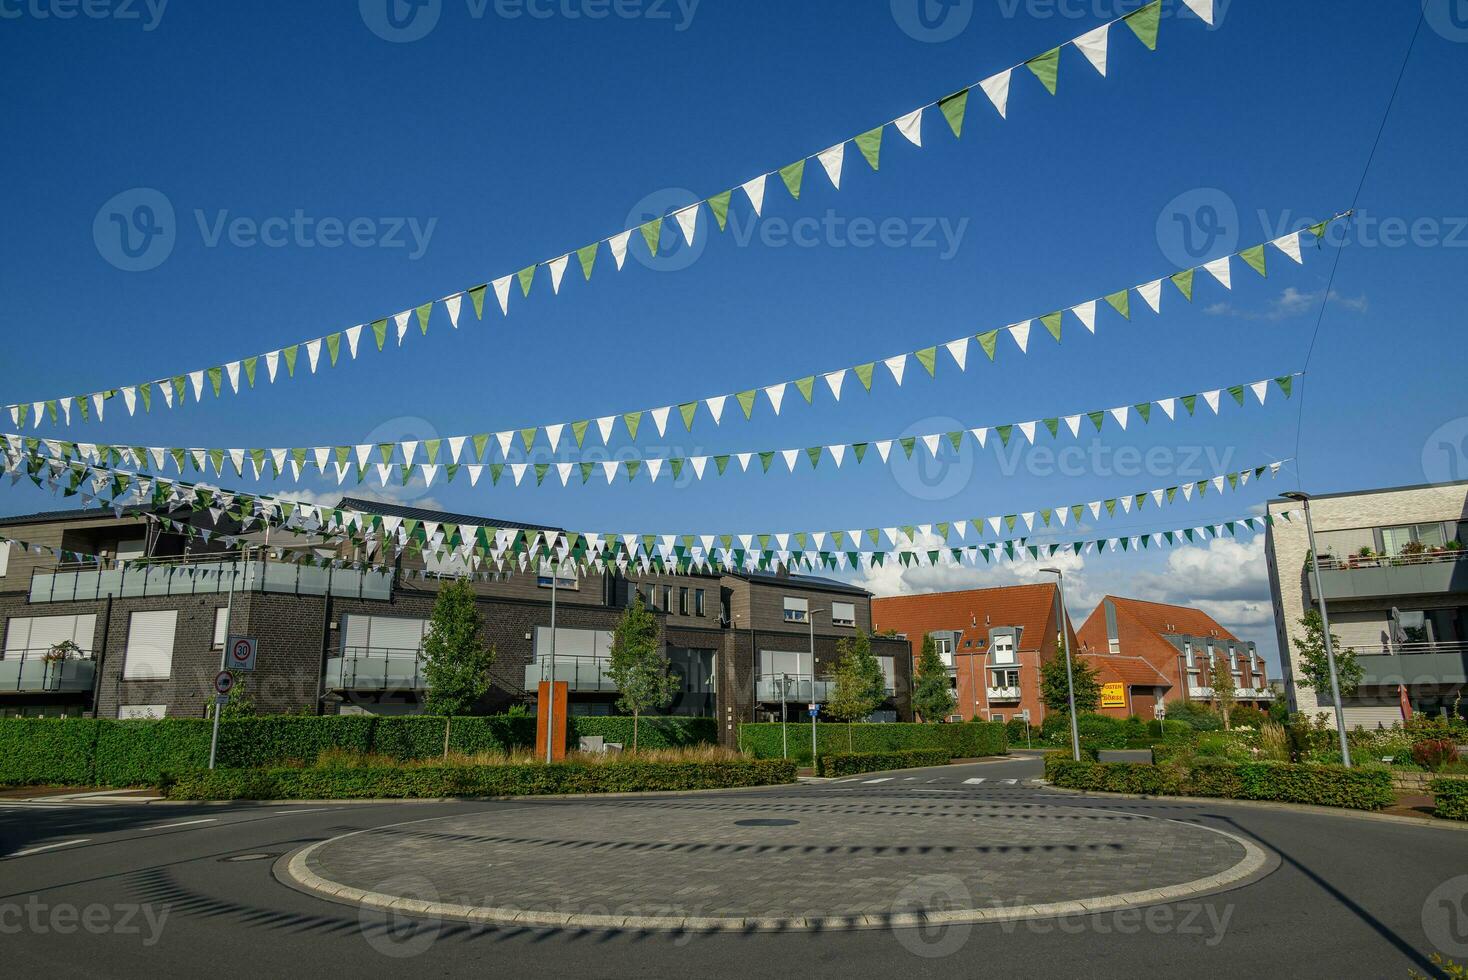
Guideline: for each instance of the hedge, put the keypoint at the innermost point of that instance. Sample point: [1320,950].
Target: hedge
[84,751]
[850,764]
[1357,789]
[1451,797]
[388,782]
[960,740]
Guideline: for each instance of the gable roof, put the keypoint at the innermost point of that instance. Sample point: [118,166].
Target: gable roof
[973,611]
[429,514]
[1163,618]
[1131,671]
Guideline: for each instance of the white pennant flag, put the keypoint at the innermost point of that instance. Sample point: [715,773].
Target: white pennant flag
[517,470]
[755,189]
[911,126]
[502,293]
[557,270]
[834,380]
[564,470]
[776,394]
[897,365]
[1073,423]
[503,439]
[884,448]
[196,378]
[1021,334]
[410,449]
[353,335]
[363,452]
[456,447]
[831,159]
[838,453]
[1211,397]
[402,323]
[743,459]
[931,443]
[313,353]
[716,407]
[1093,46]
[997,89]
[604,427]
[1167,405]
[1203,8]
[699,462]
[1152,293]
[1260,389]
[654,467]
[609,469]
[552,435]
[1222,271]
[1290,245]
[660,419]
[982,435]
[790,456]
[959,350]
[1086,313]
[451,304]
[618,243]
[1121,415]
[1028,428]
[475,470]
[130,397]
[688,221]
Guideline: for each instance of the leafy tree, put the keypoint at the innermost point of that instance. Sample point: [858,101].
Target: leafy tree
[1225,691]
[639,665]
[1315,668]
[238,703]
[456,660]
[932,696]
[860,684]
[1053,690]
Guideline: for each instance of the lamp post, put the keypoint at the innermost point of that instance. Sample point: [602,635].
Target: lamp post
[1300,496]
[810,618]
[1070,685]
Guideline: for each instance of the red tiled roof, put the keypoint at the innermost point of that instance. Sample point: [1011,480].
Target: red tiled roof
[1160,617]
[1131,671]
[1030,606]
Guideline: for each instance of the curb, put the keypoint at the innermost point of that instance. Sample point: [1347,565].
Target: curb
[294,870]
[1332,811]
[713,790]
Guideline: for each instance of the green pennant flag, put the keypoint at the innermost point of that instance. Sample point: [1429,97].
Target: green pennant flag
[1237,391]
[633,465]
[586,472]
[1233,481]
[1004,433]
[989,342]
[721,463]
[431,447]
[526,277]
[860,448]
[384,450]
[907,443]
[1052,323]
[1046,68]
[632,420]
[688,410]
[1171,494]
[870,144]
[476,295]
[676,464]
[527,436]
[379,332]
[1144,23]
[1184,282]
[1096,419]
[424,312]
[719,205]
[863,374]
[1076,510]
[540,471]
[481,442]
[178,458]
[746,401]
[956,439]
[953,107]
[1144,409]
[215,374]
[792,176]
[806,386]
[496,470]
[578,431]
[1189,402]
[290,353]
[764,459]
[1319,230]
[814,454]
[1121,301]
[587,255]
[179,388]
[1054,426]
[1110,507]
[343,453]
[928,358]
[1255,257]
[1286,384]
[652,232]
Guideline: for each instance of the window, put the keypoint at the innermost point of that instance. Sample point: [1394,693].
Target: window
[996,716]
[221,626]
[652,596]
[141,712]
[698,602]
[1394,539]
[149,654]
[843,614]
[667,598]
[562,581]
[889,673]
[944,646]
[4,557]
[32,637]
[683,600]
[1188,655]
[388,637]
[1003,648]
[796,610]
[132,550]
[1113,645]
[1004,678]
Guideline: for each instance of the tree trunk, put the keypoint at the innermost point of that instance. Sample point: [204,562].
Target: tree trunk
[447,720]
[848,736]
[635,715]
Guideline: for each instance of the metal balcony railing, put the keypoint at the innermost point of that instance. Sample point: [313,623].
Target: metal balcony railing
[1408,649]
[33,671]
[376,669]
[1003,693]
[1348,562]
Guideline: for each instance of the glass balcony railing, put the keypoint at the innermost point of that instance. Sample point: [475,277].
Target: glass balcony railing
[579,673]
[375,669]
[197,576]
[32,671]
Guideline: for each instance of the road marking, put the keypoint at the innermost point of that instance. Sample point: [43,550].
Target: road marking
[1009,782]
[884,779]
[48,847]
[910,779]
[180,823]
[974,781]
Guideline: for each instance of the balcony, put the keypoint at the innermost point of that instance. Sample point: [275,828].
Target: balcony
[1369,578]
[30,672]
[587,674]
[795,690]
[1200,693]
[375,669]
[202,575]
[1414,663]
[1002,693]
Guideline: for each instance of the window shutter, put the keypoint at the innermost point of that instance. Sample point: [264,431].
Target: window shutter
[150,645]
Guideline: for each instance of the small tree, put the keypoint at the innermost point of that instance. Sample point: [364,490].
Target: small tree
[932,697]
[860,684]
[1053,689]
[1315,668]
[1225,691]
[456,660]
[639,665]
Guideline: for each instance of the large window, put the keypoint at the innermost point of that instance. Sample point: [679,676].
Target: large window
[944,645]
[1394,539]
[775,663]
[796,610]
[32,637]
[843,614]
[149,653]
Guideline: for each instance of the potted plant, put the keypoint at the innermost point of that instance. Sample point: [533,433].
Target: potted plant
[65,650]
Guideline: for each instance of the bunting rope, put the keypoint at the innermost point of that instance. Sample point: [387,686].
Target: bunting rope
[343,462]
[1093,45]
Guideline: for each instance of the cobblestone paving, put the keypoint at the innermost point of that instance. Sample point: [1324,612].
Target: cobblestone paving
[842,849]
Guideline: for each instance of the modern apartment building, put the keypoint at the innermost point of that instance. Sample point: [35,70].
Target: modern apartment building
[148,610]
[992,640]
[1149,653]
[1395,577]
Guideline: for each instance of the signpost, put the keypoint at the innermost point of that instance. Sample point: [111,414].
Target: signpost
[1024,714]
[240,652]
[223,684]
[815,710]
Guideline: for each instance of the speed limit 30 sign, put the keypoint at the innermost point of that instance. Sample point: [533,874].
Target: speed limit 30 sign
[239,653]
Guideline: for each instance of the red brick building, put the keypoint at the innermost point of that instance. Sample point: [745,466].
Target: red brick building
[993,641]
[1158,652]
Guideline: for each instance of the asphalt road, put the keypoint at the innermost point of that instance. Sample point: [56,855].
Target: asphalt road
[174,889]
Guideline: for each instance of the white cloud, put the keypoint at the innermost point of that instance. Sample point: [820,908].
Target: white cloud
[1292,302]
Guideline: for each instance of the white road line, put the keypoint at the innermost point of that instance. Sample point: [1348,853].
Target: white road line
[180,823]
[974,781]
[47,847]
[910,779]
[1009,782]
[884,779]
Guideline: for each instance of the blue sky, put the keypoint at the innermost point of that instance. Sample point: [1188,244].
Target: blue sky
[513,130]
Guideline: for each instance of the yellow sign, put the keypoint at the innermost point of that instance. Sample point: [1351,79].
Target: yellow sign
[1113,695]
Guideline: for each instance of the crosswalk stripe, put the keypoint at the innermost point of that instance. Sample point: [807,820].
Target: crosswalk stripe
[881,780]
[1009,782]
[974,781]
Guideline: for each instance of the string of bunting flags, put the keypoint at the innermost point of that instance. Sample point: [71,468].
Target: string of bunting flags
[175,390]
[444,539]
[344,462]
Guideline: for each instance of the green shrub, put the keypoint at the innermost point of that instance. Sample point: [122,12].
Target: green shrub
[1358,789]
[1450,797]
[1200,716]
[1434,753]
[669,732]
[961,741]
[860,762]
[138,753]
[345,783]
[47,751]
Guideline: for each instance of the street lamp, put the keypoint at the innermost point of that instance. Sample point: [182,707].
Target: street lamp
[810,617]
[1070,685]
[1301,497]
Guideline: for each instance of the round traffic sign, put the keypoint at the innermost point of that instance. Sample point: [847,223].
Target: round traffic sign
[224,682]
[241,650]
